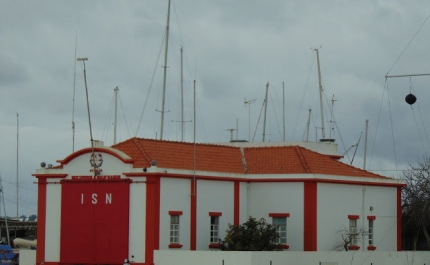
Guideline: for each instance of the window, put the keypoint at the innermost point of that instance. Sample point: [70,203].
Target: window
[214,229]
[281,226]
[174,229]
[370,233]
[353,232]
[279,220]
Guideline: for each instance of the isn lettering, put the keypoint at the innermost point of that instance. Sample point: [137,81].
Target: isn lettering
[94,198]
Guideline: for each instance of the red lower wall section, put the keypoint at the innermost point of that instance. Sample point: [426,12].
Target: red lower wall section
[310,216]
[94,222]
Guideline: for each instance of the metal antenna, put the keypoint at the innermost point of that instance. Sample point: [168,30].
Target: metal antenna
[89,116]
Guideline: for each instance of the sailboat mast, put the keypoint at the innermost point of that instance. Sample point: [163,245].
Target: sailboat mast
[73,101]
[320,89]
[283,109]
[165,70]
[182,99]
[115,119]
[17,161]
[365,144]
[308,124]
[265,111]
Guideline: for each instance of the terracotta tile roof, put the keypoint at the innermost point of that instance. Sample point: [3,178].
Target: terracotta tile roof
[179,155]
[229,159]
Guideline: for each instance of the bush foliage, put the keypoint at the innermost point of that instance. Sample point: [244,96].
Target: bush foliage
[252,235]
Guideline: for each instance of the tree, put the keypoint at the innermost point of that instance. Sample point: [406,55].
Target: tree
[416,200]
[347,237]
[252,235]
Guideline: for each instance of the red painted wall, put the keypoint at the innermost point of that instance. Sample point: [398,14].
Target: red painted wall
[94,221]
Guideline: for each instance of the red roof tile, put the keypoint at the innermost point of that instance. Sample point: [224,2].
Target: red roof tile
[229,159]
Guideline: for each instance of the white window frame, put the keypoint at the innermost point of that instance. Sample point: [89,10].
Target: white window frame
[214,234]
[281,229]
[174,229]
[353,231]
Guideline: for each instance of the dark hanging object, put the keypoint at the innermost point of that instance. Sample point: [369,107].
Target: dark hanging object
[410,99]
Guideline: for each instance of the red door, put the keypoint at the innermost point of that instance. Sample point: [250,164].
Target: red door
[94,221]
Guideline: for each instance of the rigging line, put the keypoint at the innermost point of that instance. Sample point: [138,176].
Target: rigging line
[392,129]
[408,44]
[105,133]
[258,121]
[377,123]
[123,115]
[273,107]
[356,147]
[421,116]
[418,128]
[150,85]
[304,93]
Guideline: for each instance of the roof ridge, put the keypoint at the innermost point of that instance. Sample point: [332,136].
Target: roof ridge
[242,152]
[142,150]
[298,150]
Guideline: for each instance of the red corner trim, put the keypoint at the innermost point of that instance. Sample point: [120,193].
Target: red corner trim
[399,218]
[236,216]
[175,245]
[353,247]
[193,211]
[214,245]
[310,216]
[215,213]
[371,248]
[41,220]
[371,217]
[351,216]
[279,215]
[96,149]
[175,212]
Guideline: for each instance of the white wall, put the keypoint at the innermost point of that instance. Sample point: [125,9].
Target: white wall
[213,196]
[137,220]
[27,257]
[281,197]
[243,202]
[175,195]
[53,218]
[163,257]
[337,201]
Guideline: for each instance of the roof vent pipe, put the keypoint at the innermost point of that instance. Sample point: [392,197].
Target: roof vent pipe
[153,163]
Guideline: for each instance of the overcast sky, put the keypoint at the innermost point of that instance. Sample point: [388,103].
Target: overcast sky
[232,49]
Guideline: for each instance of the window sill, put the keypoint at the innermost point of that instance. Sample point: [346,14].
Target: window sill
[353,247]
[371,248]
[175,245]
[214,245]
[284,246]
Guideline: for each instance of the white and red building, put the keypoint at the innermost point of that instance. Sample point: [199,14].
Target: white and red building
[151,195]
